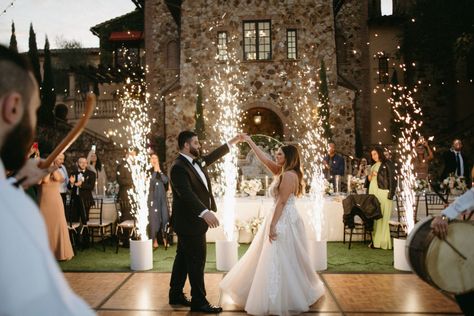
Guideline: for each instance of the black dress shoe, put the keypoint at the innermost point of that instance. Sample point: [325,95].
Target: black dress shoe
[180,300]
[207,308]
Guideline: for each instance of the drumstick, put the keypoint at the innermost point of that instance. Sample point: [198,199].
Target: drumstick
[72,135]
[454,249]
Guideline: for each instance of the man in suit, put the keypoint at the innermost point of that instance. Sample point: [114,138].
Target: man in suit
[81,184]
[193,213]
[457,163]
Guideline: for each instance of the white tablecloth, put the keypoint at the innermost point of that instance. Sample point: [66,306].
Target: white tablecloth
[247,208]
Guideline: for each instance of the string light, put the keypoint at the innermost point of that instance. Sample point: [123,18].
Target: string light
[8,7]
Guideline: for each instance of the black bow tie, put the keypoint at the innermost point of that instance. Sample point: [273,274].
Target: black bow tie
[197,161]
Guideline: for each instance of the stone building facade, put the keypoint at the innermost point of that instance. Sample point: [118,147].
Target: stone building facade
[270,84]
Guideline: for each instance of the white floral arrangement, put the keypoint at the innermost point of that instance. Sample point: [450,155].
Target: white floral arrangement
[217,189]
[328,187]
[249,186]
[454,183]
[112,188]
[251,226]
[357,184]
[421,186]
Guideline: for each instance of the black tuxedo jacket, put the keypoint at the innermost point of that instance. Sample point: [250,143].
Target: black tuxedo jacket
[85,191]
[450,166]
[190,196]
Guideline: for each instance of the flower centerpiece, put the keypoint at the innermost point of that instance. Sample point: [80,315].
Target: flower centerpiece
[357,184]
[251,187]
[455,185]
[112,188]
[421,186]
[328,187]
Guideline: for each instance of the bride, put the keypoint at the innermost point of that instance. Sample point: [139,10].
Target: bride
[275,276]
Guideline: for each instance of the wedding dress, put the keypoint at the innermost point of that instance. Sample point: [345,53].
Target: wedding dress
[275,278]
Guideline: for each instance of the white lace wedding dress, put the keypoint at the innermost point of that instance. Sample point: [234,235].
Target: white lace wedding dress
[275,278]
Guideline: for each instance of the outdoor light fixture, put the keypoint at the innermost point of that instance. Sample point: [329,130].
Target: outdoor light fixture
[257,118]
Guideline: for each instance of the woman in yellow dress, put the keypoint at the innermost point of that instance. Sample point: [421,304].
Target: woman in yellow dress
[382,185]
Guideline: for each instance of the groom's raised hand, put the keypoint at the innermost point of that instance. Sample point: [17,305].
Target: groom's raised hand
[211,219]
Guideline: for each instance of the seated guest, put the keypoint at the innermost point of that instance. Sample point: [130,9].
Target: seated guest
[52,208]
[457,163]
[95,165]
[421,162]
[334,164]
[81,184]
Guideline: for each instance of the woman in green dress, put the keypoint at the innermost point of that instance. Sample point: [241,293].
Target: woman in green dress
[382,185]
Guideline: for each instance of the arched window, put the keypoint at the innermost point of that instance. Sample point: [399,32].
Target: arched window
[172,55]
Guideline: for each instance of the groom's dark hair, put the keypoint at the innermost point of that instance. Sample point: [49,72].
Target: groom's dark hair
[184,137]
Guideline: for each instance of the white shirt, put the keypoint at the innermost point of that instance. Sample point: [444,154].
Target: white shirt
[200,173]
[63,186]
[463,203]
[31,282]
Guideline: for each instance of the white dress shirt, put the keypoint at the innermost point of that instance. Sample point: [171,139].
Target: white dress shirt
[31,282]
[63,186]
[463,203]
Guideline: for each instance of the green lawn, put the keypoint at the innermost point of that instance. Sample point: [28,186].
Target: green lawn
[359,259]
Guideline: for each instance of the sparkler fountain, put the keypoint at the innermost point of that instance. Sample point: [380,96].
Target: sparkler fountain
[135,115]
[226,94]
[313,148]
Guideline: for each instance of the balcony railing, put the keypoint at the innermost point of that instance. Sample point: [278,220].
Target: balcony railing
[103,109]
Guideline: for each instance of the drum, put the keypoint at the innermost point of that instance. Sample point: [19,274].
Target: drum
[434,261]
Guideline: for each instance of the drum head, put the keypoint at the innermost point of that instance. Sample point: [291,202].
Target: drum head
[446,268]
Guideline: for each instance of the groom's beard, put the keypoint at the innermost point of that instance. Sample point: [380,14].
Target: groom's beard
[195,152]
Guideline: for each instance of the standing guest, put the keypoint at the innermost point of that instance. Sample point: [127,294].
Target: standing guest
[32,191]
[382,185]
[81,184]
[421,163]
[31,282]
[95,165]
[125,181]
[457,163]
[63,190]
[157,202]
[52,208]
[334,164]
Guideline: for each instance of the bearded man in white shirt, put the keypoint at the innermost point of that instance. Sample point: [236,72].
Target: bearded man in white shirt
[31,282]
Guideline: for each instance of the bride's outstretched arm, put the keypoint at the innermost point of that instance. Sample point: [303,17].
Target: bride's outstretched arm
[270,164]
[287,187]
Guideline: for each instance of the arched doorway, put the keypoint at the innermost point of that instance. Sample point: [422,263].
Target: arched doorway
[260,120]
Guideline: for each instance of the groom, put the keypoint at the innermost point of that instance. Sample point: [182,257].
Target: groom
[193,213]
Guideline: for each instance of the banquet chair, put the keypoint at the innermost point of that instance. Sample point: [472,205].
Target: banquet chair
[434,203]
[359,229]
[398,224]
[128,225]
[96,224]
[74,228]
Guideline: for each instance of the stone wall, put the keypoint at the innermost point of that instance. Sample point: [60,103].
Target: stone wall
[275,83]
[352,31]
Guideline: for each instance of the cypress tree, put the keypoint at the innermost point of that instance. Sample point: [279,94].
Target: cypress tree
[199,117]
[33,55]
[323,96]
[13,44]
[48,93]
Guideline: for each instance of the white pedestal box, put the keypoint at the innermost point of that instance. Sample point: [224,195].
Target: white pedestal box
[319,254]
[141,255]
[226,254]
[400,260]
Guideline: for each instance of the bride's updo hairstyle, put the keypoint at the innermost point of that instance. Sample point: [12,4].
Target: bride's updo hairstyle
[293,162]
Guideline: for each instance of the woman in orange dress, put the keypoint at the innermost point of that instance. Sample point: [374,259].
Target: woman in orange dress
[52,208]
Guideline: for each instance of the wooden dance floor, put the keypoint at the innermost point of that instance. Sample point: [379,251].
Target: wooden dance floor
[346,294]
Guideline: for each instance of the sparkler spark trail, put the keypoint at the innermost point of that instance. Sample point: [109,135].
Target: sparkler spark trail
[135,115]
[226,94]
[408,114]
[313,145]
